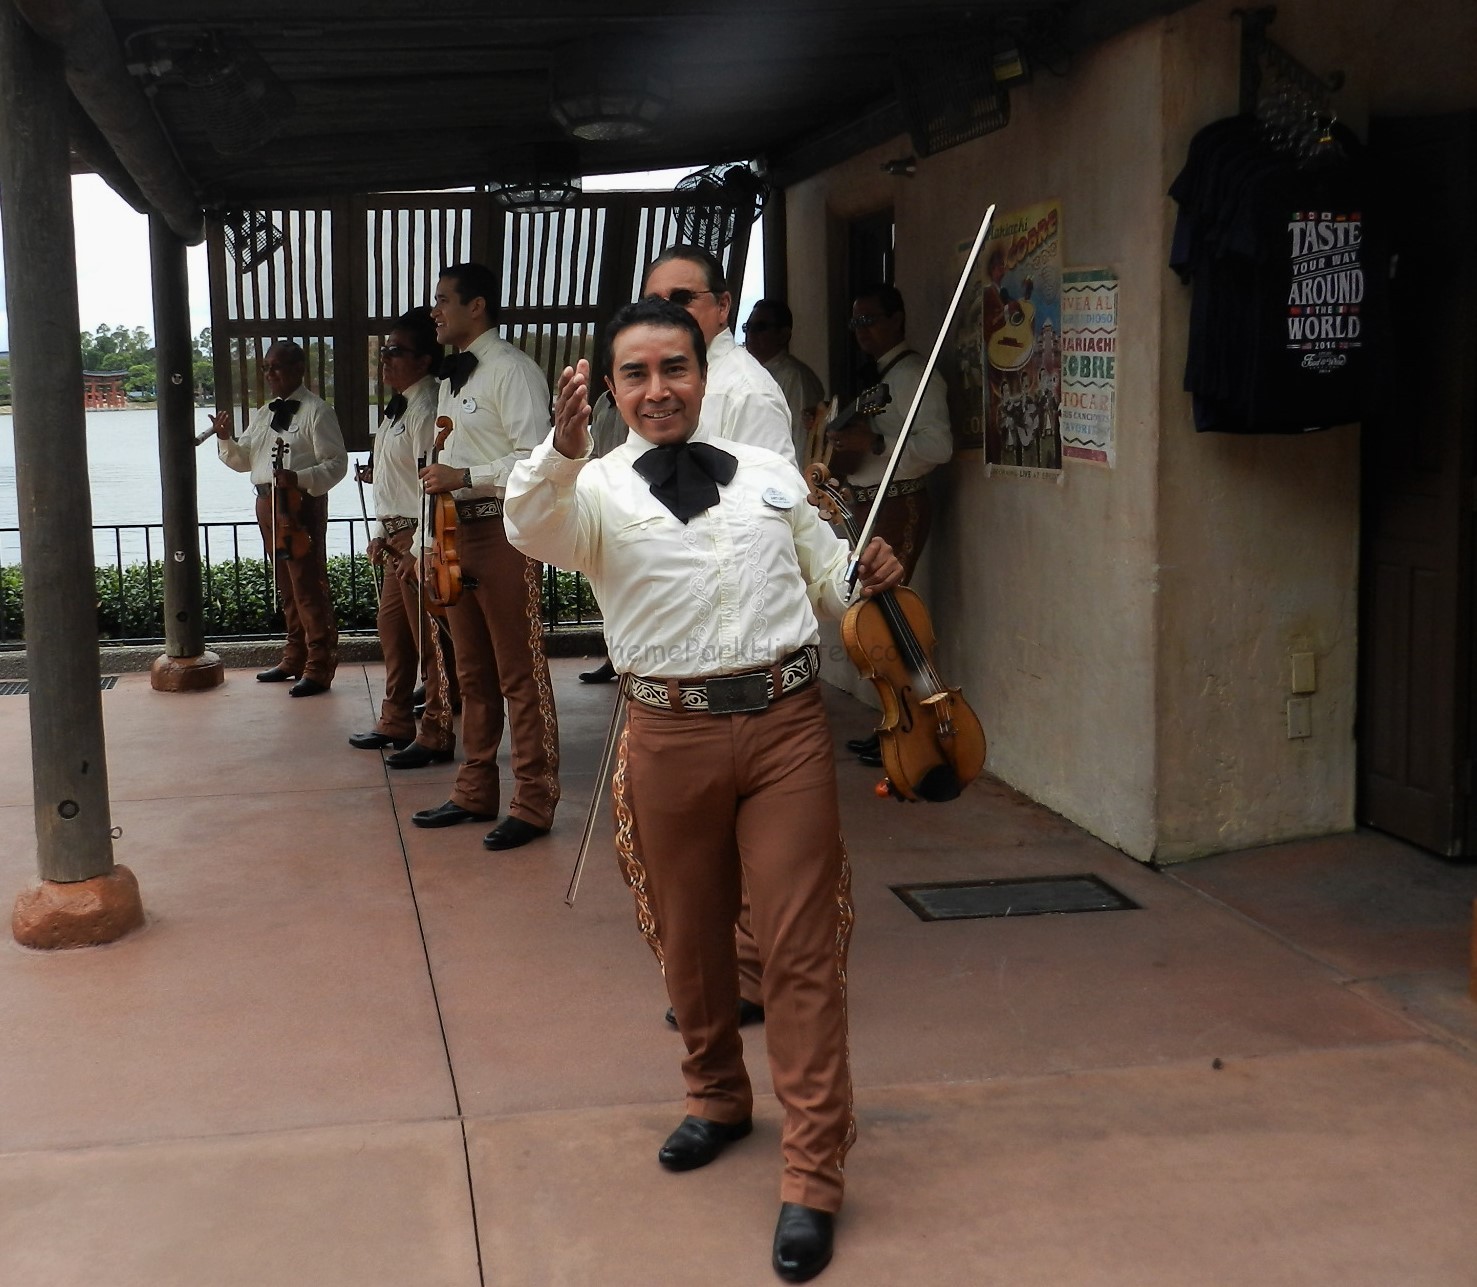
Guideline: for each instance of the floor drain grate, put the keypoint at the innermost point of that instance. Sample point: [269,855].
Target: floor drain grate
[962,900]
[20,687]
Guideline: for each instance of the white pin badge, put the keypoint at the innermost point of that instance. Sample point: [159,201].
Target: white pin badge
[777,499]
[469,404]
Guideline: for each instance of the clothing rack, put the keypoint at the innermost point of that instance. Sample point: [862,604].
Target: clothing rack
[1293,102]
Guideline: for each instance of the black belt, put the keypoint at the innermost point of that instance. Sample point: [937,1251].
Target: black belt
[396,524]
[470,511]
[903,487]
[750,690]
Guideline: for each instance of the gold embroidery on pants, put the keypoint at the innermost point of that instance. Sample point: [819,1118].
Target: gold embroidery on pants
[633,870]
[548,721]
[844,923]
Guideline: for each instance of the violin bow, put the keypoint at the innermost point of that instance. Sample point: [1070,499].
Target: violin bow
[853,570]
[601,778]
[368,533]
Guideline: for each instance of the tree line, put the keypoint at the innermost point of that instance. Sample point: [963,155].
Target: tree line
[120,348]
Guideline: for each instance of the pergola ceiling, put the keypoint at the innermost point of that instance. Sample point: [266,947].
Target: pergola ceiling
[398,95]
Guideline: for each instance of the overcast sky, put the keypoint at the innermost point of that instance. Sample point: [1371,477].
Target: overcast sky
[113,285]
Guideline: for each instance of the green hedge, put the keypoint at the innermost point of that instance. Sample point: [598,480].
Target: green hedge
[237,599]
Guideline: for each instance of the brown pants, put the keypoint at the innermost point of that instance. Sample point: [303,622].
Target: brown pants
[705,804]
[903,523]
[401,638]
[302,590]
[499,635]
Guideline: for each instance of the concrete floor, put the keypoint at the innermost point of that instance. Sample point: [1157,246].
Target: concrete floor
[345,1051]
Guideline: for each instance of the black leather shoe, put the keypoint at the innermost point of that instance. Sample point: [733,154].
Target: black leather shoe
[418,698]
[863,745]
[749,1012]
[416,756]
[307,688]
[274,675]
[376,741]
[420,710]
[512,832]
[602,674]
[871,761]
[445,815]
[803,1239]
[697,1141]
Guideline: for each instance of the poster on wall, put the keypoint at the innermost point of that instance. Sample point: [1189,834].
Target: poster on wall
[1019,341]
[1089,364]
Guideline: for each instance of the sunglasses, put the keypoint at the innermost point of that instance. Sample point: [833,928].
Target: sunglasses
[395,350]
[860,320]
[682,297]
[758,328]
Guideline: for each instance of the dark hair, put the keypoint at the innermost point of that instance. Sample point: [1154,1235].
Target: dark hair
[421,328]
[655,312]
[712,269]
[887,296]
[290,349]
[474,281]
[783,318]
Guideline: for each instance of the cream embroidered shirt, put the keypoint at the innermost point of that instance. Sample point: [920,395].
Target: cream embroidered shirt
[742,402]
[314,445]
[398,446]
[737,587]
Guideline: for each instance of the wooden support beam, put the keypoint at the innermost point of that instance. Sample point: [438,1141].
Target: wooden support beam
[69,764]
[115,103]
[184,627]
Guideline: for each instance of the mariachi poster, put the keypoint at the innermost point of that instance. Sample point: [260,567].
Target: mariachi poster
[1018,340]
[1089,364]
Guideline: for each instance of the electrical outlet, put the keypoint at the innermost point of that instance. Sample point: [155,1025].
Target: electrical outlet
[1299,717]
[1304,672]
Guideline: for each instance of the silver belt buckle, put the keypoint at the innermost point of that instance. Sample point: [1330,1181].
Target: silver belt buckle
[738,694]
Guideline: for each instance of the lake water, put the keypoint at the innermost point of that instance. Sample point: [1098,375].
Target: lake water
[123,464]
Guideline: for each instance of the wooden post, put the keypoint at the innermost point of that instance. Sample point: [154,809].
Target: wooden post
[185,666]
[69,766]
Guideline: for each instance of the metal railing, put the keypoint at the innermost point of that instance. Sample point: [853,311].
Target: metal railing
[236,584]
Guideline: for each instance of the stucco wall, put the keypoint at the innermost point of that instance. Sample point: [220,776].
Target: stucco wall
[1126,635]
[1043,594]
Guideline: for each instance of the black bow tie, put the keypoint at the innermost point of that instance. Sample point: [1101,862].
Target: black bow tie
[395,407]
[283,410]
[685,476]
[458,369]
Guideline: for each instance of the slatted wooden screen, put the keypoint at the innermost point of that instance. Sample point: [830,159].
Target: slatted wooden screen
[348,267]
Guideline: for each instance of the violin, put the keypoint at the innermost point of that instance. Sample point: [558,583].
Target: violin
[443,564]
[290,538]
[931,741]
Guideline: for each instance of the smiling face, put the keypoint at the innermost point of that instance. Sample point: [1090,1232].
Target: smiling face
[689,282]
[457,323]
[283,369]
[656,382]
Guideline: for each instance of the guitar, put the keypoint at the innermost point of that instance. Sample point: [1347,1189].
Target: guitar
[869,402]
[1013,343]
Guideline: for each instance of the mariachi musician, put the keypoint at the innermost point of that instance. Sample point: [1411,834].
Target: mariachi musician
[409,361]
[494,405]
[863,445]
[298,428]
[727,764]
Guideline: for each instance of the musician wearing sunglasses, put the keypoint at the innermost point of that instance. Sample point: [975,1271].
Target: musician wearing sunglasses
[767,337]
[864,445]
[409,362]
[743,402]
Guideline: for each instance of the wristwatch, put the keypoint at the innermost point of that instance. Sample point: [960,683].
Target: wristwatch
[466,478]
